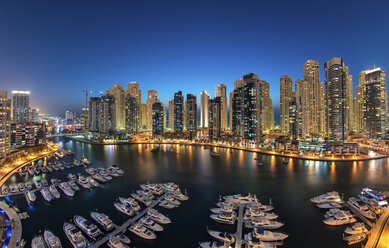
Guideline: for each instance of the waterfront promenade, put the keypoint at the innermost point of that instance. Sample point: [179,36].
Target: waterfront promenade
[15,223]
[379,237]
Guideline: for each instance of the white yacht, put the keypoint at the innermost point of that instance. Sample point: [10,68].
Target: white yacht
[170,187]
[357,228]
[142,199]
[225,218]
[173,201]
[130,201]
[4,190]
[263,223]
[166,204]
[44,182]
[225,208]
[85,161]
[66,189]
[53,190]
[155,188]
[329,205]
[214,244]
[73,185]
[142,231]
[256,213]
[150,224]
[38,242]
[332,212]
[75,236]
[51,240]
[146,194]
[28,185]
[76,162]
[256,243]
[38,184]
[21,187]
[332,196]
[180,196]
[158,217]
[240,199]
[54,181]
[103,220]
[372,204]
[123,238]
[31,196]
[99,178]
[105,175]
[92,182]
[46,194]
[72,176]
[354,239]
[268,236]
[361,207]
[82,182]
[222,236]
[341,218]
[112,172]
[124,208]
[90,171]
[87,227]
[115,242]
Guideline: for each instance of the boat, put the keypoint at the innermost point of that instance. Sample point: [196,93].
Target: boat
[225,208]
[54,181]
[115,242]
[353,239]
[44,183]
[38,242]
[28,185]
[30,171]
[141,199]
[21,187]
[373,204]
[241,199]
[341,218]
[225,218]
[4,190]
[142,231]
[215,154]
[31,196]
[329,205]
[262,207]
[130,201]
[103,220]
[180,196]
[76,162]
[285,161]
[332,212]
[37,184]
[87,227]
[124,208]
[99,178]
[124,238]
[46,194]
[51,240]
[66,189]
[257,213]
[214,244]
[263,223]
[171,200]
[105,175]
[357,228]
[375,194]
[155,188]
[72,176]
[90,171]
[75,236]
[255,242]
[222,236]
[73,185]
[166,204]
[361,207]
[158,217]
[92,182]
[146,194]
[155,149]
[150,224]
[82,182]
[112,172]
[332,196]
[85,161]
[53,190]
[268,236]
[170,187]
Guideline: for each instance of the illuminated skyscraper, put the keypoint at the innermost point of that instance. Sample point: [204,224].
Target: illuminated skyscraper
[286,96]
[151,99]
[214,118]
[178,112]
[266,107]
[204,109]
[117,92]
[94,114]
[157,118]
[143,116]
[171,114]
[191,116]
[107,114]
[5,124]
[21,106]
[84,119]
[358,105]
[221,91]
[133,90]
[237,85]
[349,97]
[132,114]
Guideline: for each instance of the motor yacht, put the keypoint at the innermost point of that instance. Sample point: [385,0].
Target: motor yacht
[341,218]
[329,205]
[38,184]
[130,201]
[76,162]
[332,212]
[112,172]
[354,239]
[13,188]
[268,236]
[28,185]
[103,220]
[263,223]
[21,187]
[85,161]
[146,193]
[90,171]
[44,170]
[54,181]
[155,188]
[44,183]
[332,196]
[87,227]
[158,217]
[173,201]
[256,213]
[53,190]
[222,236]
[240,199]
[4,190]
[357,228]
[124,208]
[166,204]
[31,196]
[225,208]
[51,240]
[170,187]
[142,231]
[115,242]
[82,182]
[375,194]
[150,224]
[372,204]
[99,178]
[123,238]
[361,207]
[66,189]
[105,175]
[38,242]
[46,194]
[92,182]
[214,244]
[75,236]
[180,196]
[72,176]
[30,171]
[73,185]
[256,243]
[141,199]
[225,218]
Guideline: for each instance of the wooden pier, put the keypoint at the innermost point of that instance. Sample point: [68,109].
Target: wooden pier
[239,234]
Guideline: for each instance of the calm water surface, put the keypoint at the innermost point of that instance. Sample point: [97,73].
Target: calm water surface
[205,178]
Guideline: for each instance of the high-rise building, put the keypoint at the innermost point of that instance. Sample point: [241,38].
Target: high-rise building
[178,112]
[117,92]
[215,118]
[375,104]
[21,106]
[27,134]
[298,110]
[171,114]
[151,99]
[236,104]
[237,85]
[251,108]
[134,91]
[286,96]
[94,114]
[221,91]
[266,106]
[5,124]
[132,114]
[204,109]
[349,97]
[191,116]
[157,118]
[336,99]
[143,116]
[84,119]
[70,115]
[107,114]
[358,105]
[34,117]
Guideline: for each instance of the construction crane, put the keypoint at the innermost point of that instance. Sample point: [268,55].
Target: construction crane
[90,92]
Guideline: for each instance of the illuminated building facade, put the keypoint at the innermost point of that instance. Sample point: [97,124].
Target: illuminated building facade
[5,124]
[178,112]
[157,119]
[21,106]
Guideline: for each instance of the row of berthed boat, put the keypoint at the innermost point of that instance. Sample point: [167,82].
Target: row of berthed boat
[257,216]
[369,204]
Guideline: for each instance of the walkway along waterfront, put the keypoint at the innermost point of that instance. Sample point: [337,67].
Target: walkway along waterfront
[380,233]
[16,225]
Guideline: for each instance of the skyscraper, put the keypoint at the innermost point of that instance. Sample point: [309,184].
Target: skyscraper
[375,104]
[143,116]
[171,114]
[70,115]
[358,105]
[215,118]
[21,106]
[84,119]
[133,90]
[204,109]
[221,91]
[107,114]
[237,85]
[5,124]
[236,99]
[117,92]
[151,99]
[178,112]
[157,118]
[286,96]
[94,114]
[266,107]
[349,97]
[191,115]
[336,99]
[132,114]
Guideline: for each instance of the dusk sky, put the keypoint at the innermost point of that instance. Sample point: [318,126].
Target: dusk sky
[56,49]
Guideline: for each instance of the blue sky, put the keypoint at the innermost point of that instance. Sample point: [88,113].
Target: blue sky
[58,48]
